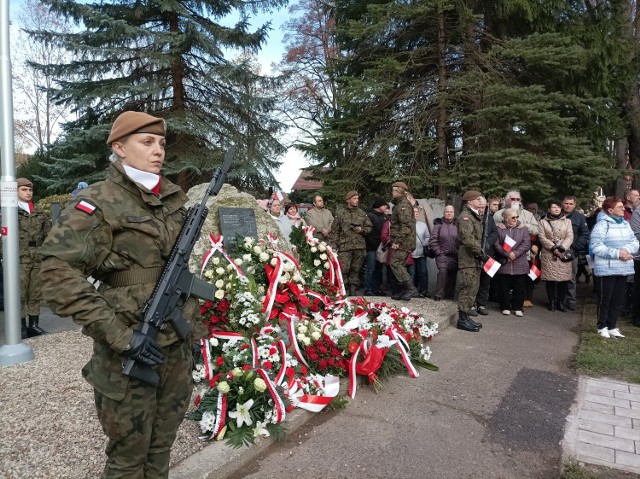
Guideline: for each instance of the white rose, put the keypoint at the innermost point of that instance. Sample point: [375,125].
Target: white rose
[208,274]
[246,258]
[316,262]
[214,342]
[237,261]
[274,261]
[230,266]
[264,257]
[220,271]
[219,294]
[314,249]
[326,265]
[248,240]
[302,328]
[318,273]
[229,286]
[219,284]
[215,260]
[306,341]
[323,256]
[288,267]
[322,247]
[257,249]
[315,335]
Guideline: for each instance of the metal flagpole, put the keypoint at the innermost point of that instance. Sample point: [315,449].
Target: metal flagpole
[14,351]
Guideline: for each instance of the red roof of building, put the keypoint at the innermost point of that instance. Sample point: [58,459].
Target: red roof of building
[306,182]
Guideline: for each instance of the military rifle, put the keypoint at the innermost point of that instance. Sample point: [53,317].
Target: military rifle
[176,282]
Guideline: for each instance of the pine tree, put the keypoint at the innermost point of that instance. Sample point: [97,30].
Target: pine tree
[166,58]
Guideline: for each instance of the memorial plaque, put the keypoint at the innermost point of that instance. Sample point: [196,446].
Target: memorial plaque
[237,221]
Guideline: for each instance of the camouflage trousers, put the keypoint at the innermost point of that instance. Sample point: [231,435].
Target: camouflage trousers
[469,280]
[30,287]
[142,425]
[352,262]
[399,265]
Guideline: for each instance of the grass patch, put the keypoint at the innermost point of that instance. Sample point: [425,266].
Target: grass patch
[615,358]
[572,470]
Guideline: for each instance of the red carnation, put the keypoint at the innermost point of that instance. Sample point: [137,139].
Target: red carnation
[219,361]
[336,352]
[304,370]
[310,350]
[314,357]
[246,367]
[272,350]
[318,343]
[314,308]
[331,361]
[224,305]
[267,365]
[353,347]
[323,350]
[322,364]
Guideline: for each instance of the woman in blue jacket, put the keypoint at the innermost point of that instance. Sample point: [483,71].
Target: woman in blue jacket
[612,245]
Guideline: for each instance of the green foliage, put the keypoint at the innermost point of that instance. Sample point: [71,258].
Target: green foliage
[45,203]
[165,58]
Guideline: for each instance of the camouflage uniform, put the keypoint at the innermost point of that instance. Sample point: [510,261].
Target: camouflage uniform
[469,256]
[33,230]
[350,244]
[403,233]
[122,234]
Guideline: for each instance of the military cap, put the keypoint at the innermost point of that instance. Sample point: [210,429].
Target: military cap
[400,184]
[24,182]
[471,195]
[131,122]
[351,194]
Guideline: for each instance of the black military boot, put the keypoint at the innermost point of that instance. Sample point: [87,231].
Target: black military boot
[34,326]
[408,291]
[25,333]
[465,323]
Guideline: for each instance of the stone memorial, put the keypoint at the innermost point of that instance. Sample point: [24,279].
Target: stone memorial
[237,221]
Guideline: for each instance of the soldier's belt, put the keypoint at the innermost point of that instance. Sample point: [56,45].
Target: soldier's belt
[132,276]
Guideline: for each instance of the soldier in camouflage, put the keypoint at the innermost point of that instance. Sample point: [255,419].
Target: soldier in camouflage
[403,240]
[470,258]
[348,230]
[34,226]
[121,231]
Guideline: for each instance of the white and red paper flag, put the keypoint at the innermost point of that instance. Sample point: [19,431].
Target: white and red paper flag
[508,243]
[534,272]
[491,267]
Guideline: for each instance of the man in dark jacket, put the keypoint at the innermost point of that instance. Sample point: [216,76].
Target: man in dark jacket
[580,244]
[489,238]
[470,258]
[373,268]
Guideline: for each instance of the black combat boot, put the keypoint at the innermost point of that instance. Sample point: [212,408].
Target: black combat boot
[34,326]
[465,323]
[408,291]
[25,333]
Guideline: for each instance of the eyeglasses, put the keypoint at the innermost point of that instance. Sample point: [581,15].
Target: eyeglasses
[515,217]
[514,199]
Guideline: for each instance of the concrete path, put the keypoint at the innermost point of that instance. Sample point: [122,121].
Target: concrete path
[604,427]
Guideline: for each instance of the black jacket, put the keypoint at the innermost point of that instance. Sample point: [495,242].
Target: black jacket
[377,220]
[580,232]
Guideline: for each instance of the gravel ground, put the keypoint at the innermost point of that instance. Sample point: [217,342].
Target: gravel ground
[48,427]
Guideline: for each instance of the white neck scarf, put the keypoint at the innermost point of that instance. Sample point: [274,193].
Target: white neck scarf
[146,179]
[24,206]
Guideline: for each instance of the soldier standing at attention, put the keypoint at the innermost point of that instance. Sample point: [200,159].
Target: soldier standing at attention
[403,240]
[348,230]
[34,226]
[470,258]
[121,231]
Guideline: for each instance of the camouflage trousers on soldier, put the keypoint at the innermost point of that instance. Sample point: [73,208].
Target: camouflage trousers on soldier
[469,280]
[142,425]
[352,263]
[30,287]
[398,265]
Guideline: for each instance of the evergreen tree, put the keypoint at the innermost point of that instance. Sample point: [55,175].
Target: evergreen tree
[166,58]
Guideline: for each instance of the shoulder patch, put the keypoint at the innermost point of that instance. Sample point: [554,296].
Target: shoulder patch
[85,206]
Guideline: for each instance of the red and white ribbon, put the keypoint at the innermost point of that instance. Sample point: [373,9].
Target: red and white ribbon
[273,242]
[216,245]
[221,414]
[364,348]
[274,279]
[329,384]
[277,400]
[291,326]
[206,357]
[405,352]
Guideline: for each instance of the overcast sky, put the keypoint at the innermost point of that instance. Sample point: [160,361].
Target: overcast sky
[272,53]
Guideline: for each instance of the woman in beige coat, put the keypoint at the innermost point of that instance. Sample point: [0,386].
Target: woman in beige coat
[556,237]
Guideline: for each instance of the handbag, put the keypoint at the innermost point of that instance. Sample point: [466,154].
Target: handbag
[428,252]
[381,253]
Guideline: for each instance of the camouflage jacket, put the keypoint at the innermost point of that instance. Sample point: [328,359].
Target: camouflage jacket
[470,236]
[118,232]
[343,235]
[403,224]
[33,229]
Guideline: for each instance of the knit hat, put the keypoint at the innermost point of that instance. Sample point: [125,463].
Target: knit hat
[378,202]
[471,195]
[24,182]
[351,194]
[131,122]
[82,185]
[400,184]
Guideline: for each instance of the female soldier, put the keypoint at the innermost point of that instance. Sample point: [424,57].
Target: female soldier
[121,231]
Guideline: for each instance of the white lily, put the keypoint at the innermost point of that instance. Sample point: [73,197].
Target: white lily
[241,414]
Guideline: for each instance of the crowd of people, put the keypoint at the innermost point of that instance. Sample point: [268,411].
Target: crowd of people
[386,250]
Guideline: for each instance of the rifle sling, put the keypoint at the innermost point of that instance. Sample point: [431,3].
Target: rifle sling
[132,276]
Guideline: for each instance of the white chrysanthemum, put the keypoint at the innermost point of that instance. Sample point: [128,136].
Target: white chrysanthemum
[208,421]
[243,280]
[219,294]
[425,352]
[248,240]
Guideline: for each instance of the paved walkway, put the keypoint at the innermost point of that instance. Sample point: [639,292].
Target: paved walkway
[604,428]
